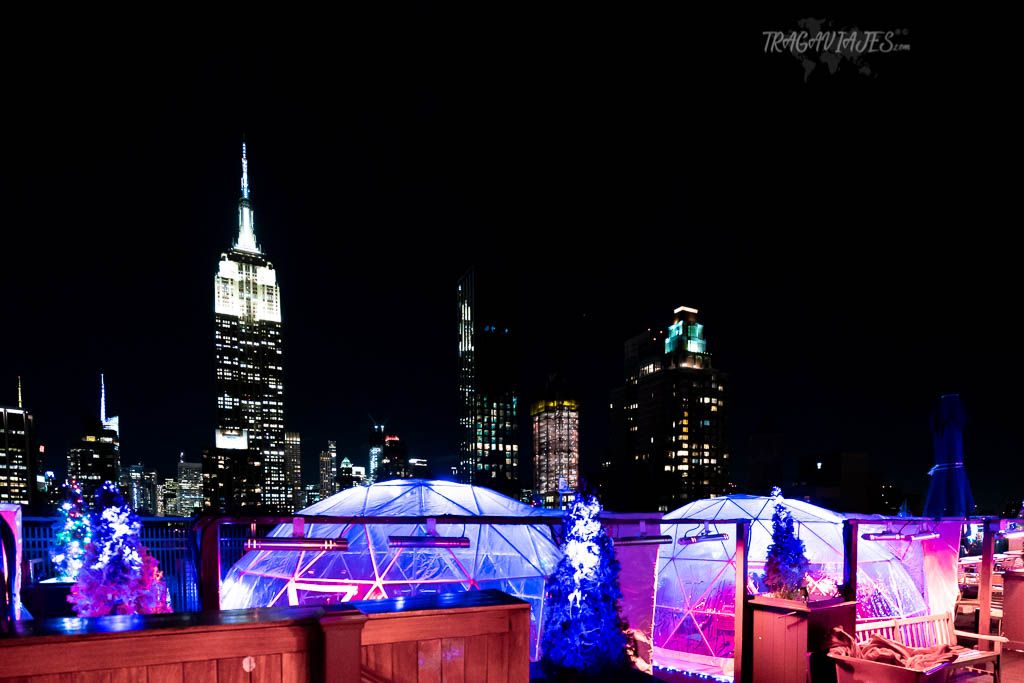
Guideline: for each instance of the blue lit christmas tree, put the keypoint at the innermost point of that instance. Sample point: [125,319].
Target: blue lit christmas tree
[786,565]
[118,575]
[71,534]
[582,627]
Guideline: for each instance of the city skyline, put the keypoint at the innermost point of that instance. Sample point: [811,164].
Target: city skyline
[832,312]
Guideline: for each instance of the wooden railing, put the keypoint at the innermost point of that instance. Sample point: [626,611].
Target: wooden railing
[475,636]
[473,640]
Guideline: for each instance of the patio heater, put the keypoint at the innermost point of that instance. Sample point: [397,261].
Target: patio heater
[431,540]
[642,538]
[703,536]
[297,541]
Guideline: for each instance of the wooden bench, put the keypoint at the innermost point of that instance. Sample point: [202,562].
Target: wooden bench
[936,629]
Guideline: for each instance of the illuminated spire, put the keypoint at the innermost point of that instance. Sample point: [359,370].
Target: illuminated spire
[245,173]
[246,235]
[103,400]
[19,392]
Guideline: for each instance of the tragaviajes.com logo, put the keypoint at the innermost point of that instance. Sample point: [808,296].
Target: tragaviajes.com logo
[816,42]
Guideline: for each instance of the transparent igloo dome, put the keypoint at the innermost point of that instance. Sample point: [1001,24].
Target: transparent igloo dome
[514,558]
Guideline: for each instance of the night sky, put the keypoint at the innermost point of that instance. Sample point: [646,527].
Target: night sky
[839,236]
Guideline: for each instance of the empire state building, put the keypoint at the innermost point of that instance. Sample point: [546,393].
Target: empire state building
[250,378]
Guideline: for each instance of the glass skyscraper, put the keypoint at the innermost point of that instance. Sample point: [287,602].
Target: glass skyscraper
[250,384]
[488,368]
[18,456]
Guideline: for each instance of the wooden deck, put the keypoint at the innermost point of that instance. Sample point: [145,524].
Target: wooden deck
[471,637]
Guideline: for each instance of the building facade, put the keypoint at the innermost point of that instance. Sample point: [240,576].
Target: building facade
[488,369]
[167,498]
[556,451]
[139,487]
[190,487]
[668,421]
[96,458]
[329,470]
[225,480]
[350,475]
[394,459]
[18,456]
[376,451]
[250,375]
[293,467]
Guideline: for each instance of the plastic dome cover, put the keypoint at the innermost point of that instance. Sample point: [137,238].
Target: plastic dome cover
[513,558]
[695,588]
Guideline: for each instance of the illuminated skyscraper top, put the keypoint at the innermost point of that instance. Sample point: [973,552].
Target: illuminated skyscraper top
[250,377]
[246,228]
[113,422]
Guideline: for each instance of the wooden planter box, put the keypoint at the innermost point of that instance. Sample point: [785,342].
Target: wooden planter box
[48,600]
[785,631]
[855,670]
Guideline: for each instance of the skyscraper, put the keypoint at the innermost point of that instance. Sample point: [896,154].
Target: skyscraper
[556,453]
[668,421]
[293,466]
[96,458]
[250,377]
[139,487]
[225,479]
[190,487]
[18,455]
[376,450]
[349,475]
[394,460]
[329,470]
[488,367]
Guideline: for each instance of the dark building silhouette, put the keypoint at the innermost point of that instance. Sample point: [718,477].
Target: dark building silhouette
[419,468]
[668,421]
[488,369]
[225,480]
[394,460]
[766,465]
[839,480]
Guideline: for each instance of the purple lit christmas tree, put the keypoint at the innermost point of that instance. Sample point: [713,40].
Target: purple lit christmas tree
[582,627]
[118,575]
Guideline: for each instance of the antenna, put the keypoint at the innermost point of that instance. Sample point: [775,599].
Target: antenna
[19,393]
[245,172]
[103,399]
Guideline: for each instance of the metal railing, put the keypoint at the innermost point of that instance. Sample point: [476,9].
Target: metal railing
[169,539]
